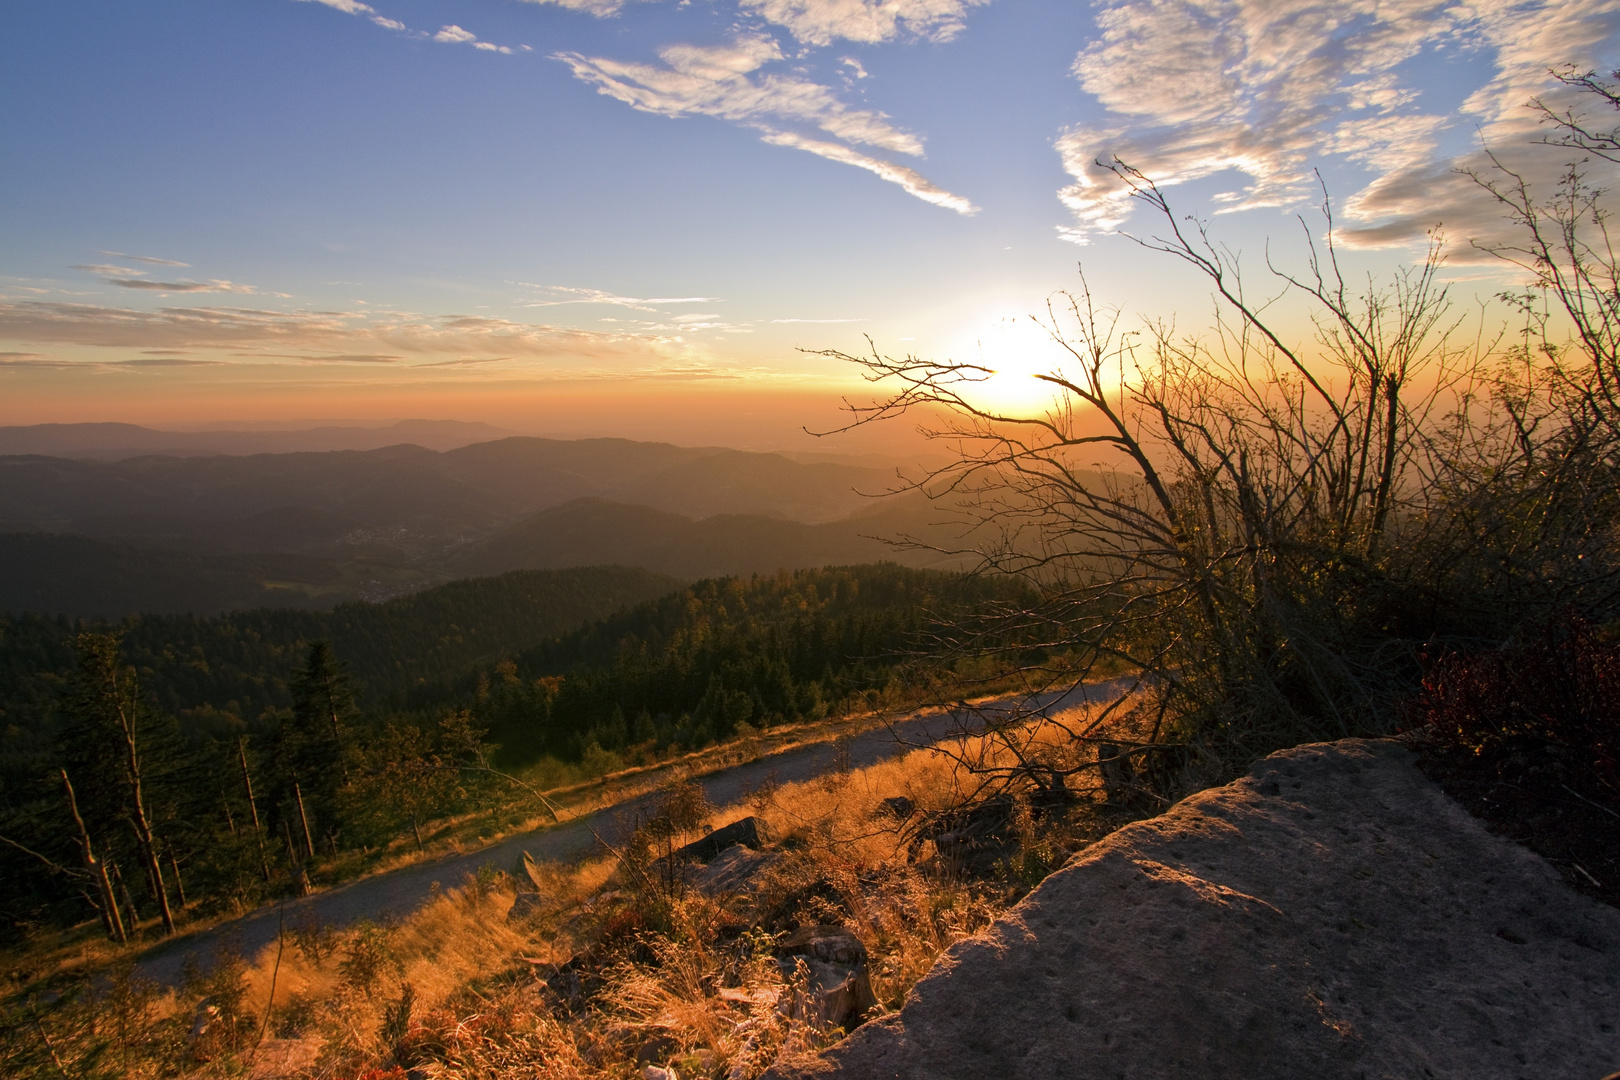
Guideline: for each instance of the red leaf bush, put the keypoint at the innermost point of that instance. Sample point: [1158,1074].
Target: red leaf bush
[1540,714]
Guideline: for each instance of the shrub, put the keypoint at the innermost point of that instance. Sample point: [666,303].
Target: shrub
[1543,715]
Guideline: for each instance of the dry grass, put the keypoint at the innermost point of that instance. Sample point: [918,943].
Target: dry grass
[611,969]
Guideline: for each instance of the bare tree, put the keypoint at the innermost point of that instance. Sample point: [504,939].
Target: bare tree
[1262,529]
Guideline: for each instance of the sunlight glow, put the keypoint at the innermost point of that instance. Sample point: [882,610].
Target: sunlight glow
[1017,349]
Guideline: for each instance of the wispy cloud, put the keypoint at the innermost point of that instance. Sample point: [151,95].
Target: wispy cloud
[327,358]
[449,35]
[354,7]
[455,35]
[821,22]
[913,182]
[215,286]
[107,270]
[1266,88]
[715,81]
[56,363]
[128,278]
[145,259]
[816,320]
[572,295]
[600,8]
[724,81]
[322,336]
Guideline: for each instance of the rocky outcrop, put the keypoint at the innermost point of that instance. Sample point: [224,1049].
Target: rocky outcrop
[750,832]
[1331,915]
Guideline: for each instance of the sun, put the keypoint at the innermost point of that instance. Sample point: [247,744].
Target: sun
[1017,349]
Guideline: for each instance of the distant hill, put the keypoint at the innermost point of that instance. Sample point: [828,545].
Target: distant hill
[588,529]
[114,442]
[405,503]
[81,577]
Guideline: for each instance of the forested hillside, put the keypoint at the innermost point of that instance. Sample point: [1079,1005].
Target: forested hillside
[239,664]
[270,745]
[693,667]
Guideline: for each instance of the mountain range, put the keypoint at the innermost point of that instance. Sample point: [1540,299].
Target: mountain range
[205,533]
[113,442]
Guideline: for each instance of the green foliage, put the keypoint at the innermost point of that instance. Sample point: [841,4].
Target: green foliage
[332,771]
[222,673]
[695,666]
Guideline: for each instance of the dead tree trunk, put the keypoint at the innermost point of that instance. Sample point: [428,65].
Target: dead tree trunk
[303,819]
[139,821]
[110,917]
[253,807]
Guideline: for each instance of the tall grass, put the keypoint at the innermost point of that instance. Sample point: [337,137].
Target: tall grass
[604,974]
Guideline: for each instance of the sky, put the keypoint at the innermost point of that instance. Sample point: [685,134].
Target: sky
[645,217]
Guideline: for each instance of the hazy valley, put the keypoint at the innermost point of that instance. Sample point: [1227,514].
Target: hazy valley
[212,532]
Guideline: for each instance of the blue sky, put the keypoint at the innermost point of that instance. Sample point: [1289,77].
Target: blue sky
[330,208]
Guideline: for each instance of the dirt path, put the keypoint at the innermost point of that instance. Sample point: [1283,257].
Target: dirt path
[398,892]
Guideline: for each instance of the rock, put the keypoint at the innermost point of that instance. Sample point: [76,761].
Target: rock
[749,831]
[973,838]
[830,944]
[732,871]
[656,1049]
[1354,922]
[658,1072]
[203,1021]
[900,808]
[574,982]
[525,905]
[836,990]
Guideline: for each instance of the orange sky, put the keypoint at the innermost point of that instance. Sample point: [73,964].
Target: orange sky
[693,414]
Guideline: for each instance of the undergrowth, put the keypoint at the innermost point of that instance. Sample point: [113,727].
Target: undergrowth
[1527,736]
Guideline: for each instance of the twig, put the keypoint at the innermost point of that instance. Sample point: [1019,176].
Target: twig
[275,972]
[46,1037]
[53,864]
[1589,802]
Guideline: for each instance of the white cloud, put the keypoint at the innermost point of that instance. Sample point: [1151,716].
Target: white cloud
[724,81]
[715,81]
[109,271]
[258,335]
[600,8]
[820,22]
[129,278]
[571,295]
[455,35]
[1266,88]
[912,181]
[349,7]
[180,286]
[145,259]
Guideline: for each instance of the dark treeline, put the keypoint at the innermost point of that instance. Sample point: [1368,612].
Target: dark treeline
[206,669]
[236,759]
[695,666]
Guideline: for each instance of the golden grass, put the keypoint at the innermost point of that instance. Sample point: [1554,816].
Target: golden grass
[458,991]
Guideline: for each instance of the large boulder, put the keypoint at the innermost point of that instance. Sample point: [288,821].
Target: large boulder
[733,871]
[1332,915]
[750,832]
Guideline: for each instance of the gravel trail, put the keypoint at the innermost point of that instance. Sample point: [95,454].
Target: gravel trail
[396,893]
